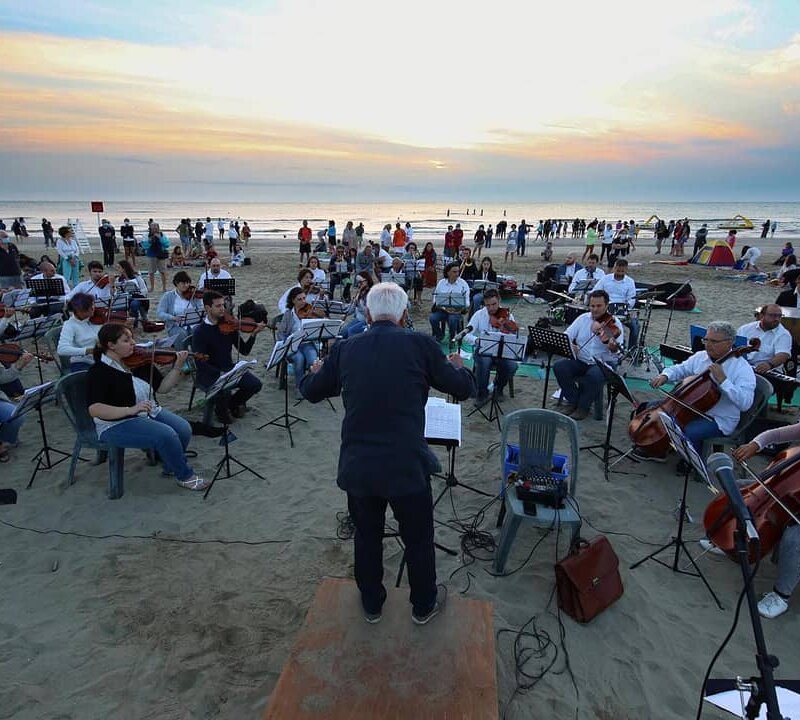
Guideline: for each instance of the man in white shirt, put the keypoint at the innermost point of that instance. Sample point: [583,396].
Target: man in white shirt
[775,340]
[90,286]
[735,380]
[580,380]
[750,258]
[384,260]
[52,305]
[451,300]
[386,236]
[590,273]
[491,320]
[622,289]
[209,232]
[214,272]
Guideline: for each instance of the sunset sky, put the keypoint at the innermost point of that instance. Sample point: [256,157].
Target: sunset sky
[348,100]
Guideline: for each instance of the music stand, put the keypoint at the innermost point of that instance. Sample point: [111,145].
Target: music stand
[279,357]
[48,288]
[189,319]
[484,285]
[33,399]
[451,302]
[685,450]
[226,286]
[498,347]
[553,343]
[616,386]
[319,331]
[34,329]
[226,383]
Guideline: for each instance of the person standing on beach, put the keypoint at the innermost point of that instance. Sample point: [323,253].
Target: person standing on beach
[359,234]
[107,239]
[221,229]
[370,471]
[489,234]
[47,231]
[304,238]
[209,233]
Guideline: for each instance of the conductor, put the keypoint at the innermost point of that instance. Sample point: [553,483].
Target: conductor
[383,458]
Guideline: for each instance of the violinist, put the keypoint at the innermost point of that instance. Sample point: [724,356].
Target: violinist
[358,325]
[178,305]
[596,334]
[735,379]
[130,281]
[621,288]
[491,318]
[95,286]
[208,339]
[78,334]
[487,273]
[305,279]
[341,270]
[126,413]
[291,323]
[10,385]
[774,340]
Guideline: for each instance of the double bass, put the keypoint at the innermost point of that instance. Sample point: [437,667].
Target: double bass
[691,399]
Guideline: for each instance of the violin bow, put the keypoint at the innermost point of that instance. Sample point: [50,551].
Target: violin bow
[769,492]
[685,405]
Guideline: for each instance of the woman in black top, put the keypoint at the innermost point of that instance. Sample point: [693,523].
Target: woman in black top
[126,413]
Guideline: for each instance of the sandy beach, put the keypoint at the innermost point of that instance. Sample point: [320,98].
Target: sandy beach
[143,627]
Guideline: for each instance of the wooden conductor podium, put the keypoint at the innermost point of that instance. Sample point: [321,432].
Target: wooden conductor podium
[342,668]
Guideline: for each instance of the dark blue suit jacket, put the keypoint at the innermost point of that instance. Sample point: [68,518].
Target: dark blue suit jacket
[384,376]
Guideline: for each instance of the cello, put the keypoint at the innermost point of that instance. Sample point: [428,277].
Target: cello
[773,500]
[690,400]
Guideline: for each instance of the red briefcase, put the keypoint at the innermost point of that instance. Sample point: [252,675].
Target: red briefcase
[588,579]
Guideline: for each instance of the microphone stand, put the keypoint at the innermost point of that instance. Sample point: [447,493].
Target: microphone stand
[672,308]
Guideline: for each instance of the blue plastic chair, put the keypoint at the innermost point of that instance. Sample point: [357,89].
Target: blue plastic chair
[71,394]
[535,432]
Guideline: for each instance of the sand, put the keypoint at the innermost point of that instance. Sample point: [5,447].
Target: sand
[139,628]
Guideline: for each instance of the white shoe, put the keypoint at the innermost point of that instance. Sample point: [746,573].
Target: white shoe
[772,605]
[709,547]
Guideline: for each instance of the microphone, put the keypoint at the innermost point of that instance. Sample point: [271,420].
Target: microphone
[466,331]
[722,467]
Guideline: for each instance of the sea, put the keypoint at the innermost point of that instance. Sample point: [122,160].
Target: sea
[277,223]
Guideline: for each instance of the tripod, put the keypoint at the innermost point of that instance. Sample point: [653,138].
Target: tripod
[639,353]
[227,459]
[42,458]
[285,420]
[616,387]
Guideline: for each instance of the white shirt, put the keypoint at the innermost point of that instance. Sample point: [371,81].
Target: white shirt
[751,256]
[773,342]
[583,275]
[319,275]
[284,299]
[737,391]
[76,336]
[608,235]
[208,275]
[142,392]
[67,248]
[409,234]
[56,276]
[591,346]
[137,280]
[90,288]
[220,224]
[386,238]
[385,258]
[619,291]
[209,231]
[232,234]
[458,291]
[481,324]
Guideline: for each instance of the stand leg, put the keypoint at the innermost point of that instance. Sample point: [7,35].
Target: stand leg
[42,458]
[546,379]
[226,461]
[607,447]
[286,420]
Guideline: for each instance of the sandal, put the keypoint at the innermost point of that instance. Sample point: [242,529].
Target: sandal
[194,483]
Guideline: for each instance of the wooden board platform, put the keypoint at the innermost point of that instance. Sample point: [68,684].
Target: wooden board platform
[342,668]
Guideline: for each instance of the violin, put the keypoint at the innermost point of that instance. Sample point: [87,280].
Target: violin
[192,293]
[690,400]
[153,326]
[11,352]
[309,311]
[773,505]
[606,328]
[229,324]
[103,281]
[103,315]
[142,357]
[501,321]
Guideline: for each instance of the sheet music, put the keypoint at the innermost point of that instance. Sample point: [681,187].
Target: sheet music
[730,700]
[442,420]
[28,400]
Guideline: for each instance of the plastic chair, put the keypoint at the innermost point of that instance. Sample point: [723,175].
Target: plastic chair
[763,392]
[71,394]
[536,432]
[51,339]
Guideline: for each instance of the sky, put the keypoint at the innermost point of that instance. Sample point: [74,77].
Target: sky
[359,100]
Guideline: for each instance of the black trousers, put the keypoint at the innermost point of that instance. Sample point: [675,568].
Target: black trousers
[414,515]
[108,252]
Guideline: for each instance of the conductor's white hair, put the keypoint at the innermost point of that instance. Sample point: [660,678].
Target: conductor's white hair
[387,301]
[723,328]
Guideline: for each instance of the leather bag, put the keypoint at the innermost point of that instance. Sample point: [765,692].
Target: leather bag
[588,579]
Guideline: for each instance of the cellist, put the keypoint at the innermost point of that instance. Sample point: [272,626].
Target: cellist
[735,378]
[776,602]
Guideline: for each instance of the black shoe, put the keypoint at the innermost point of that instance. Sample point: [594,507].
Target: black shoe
[224,415]
[238,411]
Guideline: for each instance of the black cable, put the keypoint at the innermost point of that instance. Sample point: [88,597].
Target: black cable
[735,622]
[585,519]
[160,538]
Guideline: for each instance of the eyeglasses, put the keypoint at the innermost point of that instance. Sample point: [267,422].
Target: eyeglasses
[707,341]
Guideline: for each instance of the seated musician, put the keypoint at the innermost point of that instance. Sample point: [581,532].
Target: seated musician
[292,321]
[590,273]
[775,341]
[413,274]
[53,305]
[735,379]
[468,270]
[451,299]
[305,279]
[486,273]
[10,386]
[340,269]
[174,307]
[126,413]
[214,271]
[208,339]
[129,280]
[319,273]
[622,289]
[788,297]
[397,273]
[566,271]
[596,334]
[95,285]
[78,334]
[383,261]
[492,318]
[358,325]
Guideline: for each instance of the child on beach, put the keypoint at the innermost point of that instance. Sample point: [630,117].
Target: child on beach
[177,259]
[511,244]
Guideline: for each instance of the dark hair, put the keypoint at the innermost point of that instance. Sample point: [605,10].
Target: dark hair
[450,266]
[310,258]
[303,273]
[791,260]
[293,293]
[109,333]
[621,261]
[600,294]
[209,296]
[490,293]
[181,276]
[64,230]
[485,258]
[594,257]
[130,271]
[95,265]
[81,302]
